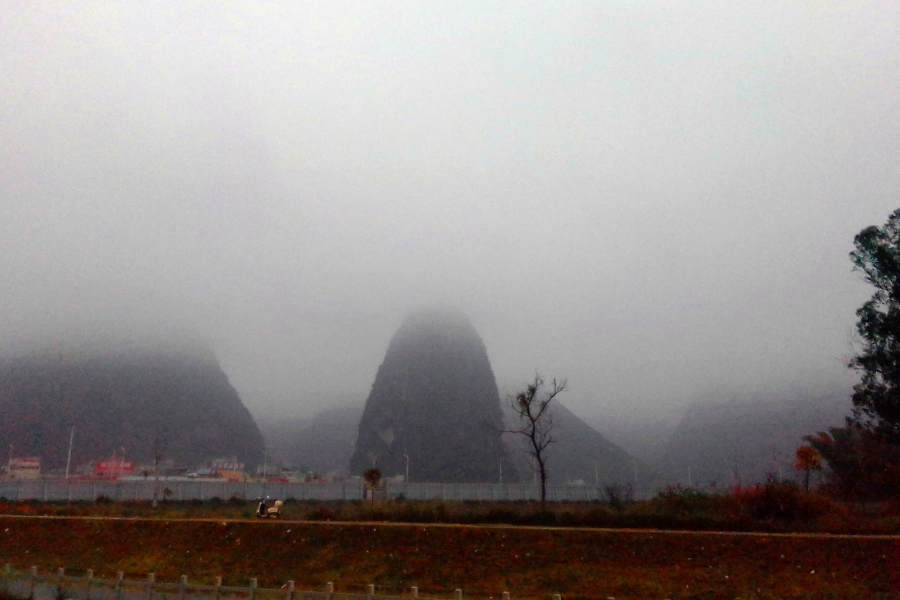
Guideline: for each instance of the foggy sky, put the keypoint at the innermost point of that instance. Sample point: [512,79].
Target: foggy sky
[655,200]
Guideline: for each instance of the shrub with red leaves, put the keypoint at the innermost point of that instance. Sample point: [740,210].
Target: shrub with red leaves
[782,501]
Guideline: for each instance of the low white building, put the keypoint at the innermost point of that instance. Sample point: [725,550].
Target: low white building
[25,467]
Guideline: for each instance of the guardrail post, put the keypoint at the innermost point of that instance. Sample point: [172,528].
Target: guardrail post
[33,579]
[505,595]
[119,577]
[90,579]
[329,590]
[252,588]
[290,590]
[182,587]
[218,587]
[457,594]
[151,579]
[60,573]
[557,597]
[370,591]
[414,591]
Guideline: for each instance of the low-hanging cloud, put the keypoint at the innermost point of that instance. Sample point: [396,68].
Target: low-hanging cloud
[655,201]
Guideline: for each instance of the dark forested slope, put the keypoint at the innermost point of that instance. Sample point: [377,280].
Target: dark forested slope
[123,399]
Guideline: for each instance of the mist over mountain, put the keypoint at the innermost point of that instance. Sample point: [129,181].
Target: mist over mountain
[744,441]
[322,443]
[124,400]
[655,200]
[435,401]
[325,442]
[644,437]
[602,187]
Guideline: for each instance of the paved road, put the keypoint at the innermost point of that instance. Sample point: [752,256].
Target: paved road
[458,525]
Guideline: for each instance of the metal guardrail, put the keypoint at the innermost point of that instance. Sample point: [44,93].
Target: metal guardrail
[35,585]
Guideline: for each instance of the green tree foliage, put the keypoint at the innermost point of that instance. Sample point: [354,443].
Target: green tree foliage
[864,456]
[877,397]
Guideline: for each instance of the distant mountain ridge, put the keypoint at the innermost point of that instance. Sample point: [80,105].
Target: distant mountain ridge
[762,435]
[123,401]
[582,454]
[322,444]
[745,441]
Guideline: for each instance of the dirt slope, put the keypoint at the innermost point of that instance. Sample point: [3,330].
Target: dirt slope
[483,561]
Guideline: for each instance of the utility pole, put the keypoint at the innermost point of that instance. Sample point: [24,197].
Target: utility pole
[157,457]
[69,457]
[636,487]
[155,479]
[406,456]
[501,471]
[9,462]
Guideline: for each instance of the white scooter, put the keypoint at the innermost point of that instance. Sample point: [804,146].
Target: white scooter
[269,512]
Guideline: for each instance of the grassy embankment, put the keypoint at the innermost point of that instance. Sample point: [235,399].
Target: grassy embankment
[765,508]
[483,561]
[528,562]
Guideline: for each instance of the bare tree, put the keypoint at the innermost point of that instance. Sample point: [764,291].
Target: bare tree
[532,405]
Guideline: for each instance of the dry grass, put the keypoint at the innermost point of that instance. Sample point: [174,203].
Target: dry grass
[483,561]
[767,508]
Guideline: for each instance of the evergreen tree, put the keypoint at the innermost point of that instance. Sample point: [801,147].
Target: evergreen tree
[877,397]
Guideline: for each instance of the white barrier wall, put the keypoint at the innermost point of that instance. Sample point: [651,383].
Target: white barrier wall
[56,490]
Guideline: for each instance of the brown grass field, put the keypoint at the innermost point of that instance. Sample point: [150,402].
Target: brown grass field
[770,507]
[529,562]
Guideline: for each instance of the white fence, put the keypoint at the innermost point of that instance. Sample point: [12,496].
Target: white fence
[34,585]
[48,490]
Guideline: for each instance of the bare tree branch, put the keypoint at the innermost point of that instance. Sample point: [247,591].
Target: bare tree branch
[533,406]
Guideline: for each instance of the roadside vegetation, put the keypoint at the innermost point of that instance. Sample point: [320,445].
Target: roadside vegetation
[769,507]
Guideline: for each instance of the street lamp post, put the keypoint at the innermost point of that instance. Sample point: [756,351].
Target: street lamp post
[69,456]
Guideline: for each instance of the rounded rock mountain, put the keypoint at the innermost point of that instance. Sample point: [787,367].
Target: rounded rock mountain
[434,403]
